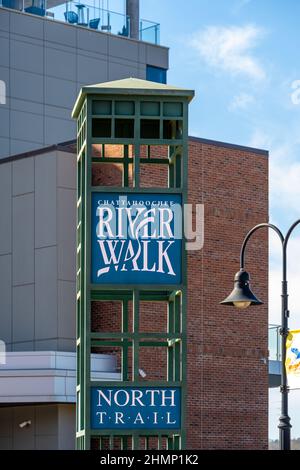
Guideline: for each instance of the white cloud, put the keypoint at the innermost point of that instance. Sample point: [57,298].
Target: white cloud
[285,186]
[260,139]
[228,48]
[284,170]
[240,4]
[285,197]
[295,95]
[241,101]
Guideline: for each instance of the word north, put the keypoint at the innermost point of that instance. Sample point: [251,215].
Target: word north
[135,243]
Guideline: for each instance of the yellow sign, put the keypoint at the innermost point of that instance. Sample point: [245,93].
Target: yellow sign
[292,363]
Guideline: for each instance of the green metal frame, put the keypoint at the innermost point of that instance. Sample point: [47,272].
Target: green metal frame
[176,297]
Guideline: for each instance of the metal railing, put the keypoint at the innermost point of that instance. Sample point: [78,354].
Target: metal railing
[91,16]
[87,15]
[274,343]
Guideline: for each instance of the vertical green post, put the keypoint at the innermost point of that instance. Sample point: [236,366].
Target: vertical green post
[124,351]
[136,340]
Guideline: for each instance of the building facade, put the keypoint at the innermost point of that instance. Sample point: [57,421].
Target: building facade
[44,63]
[227,357]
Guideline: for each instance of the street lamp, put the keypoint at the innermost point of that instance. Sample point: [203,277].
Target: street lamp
[242,297]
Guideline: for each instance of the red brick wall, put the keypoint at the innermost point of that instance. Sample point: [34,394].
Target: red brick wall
[227,404]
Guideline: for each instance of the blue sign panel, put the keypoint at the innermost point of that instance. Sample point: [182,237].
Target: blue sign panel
[135,408]
[136,238]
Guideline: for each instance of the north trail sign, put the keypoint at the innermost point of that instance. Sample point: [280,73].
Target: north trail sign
[135,407]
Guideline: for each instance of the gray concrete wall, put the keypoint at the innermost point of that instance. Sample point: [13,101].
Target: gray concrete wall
[52,427]
[44,63]
[38,252]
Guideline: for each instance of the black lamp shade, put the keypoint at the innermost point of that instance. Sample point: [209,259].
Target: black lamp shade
[241,292]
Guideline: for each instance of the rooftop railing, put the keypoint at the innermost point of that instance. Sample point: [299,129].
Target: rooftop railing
[149,31]
[274,343]
[87,15]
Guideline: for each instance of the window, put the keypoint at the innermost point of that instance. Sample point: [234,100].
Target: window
[156,74]
[124,108]
[124,128]
[172,129]
[101,127]
[101,107]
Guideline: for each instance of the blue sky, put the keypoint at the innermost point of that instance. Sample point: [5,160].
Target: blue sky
[242,57]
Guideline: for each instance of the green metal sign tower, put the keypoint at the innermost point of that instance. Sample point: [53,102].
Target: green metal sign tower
[131,124]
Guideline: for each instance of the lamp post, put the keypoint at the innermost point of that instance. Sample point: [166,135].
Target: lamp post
[242,297]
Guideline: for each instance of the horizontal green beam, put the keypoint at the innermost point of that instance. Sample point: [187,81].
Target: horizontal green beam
[119,189]
[140,287]
[132,432]
[112,160]
[135,383]
[151,296]
[130,161]
[154,344]
[132,141]
[157,161]
[104,343]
